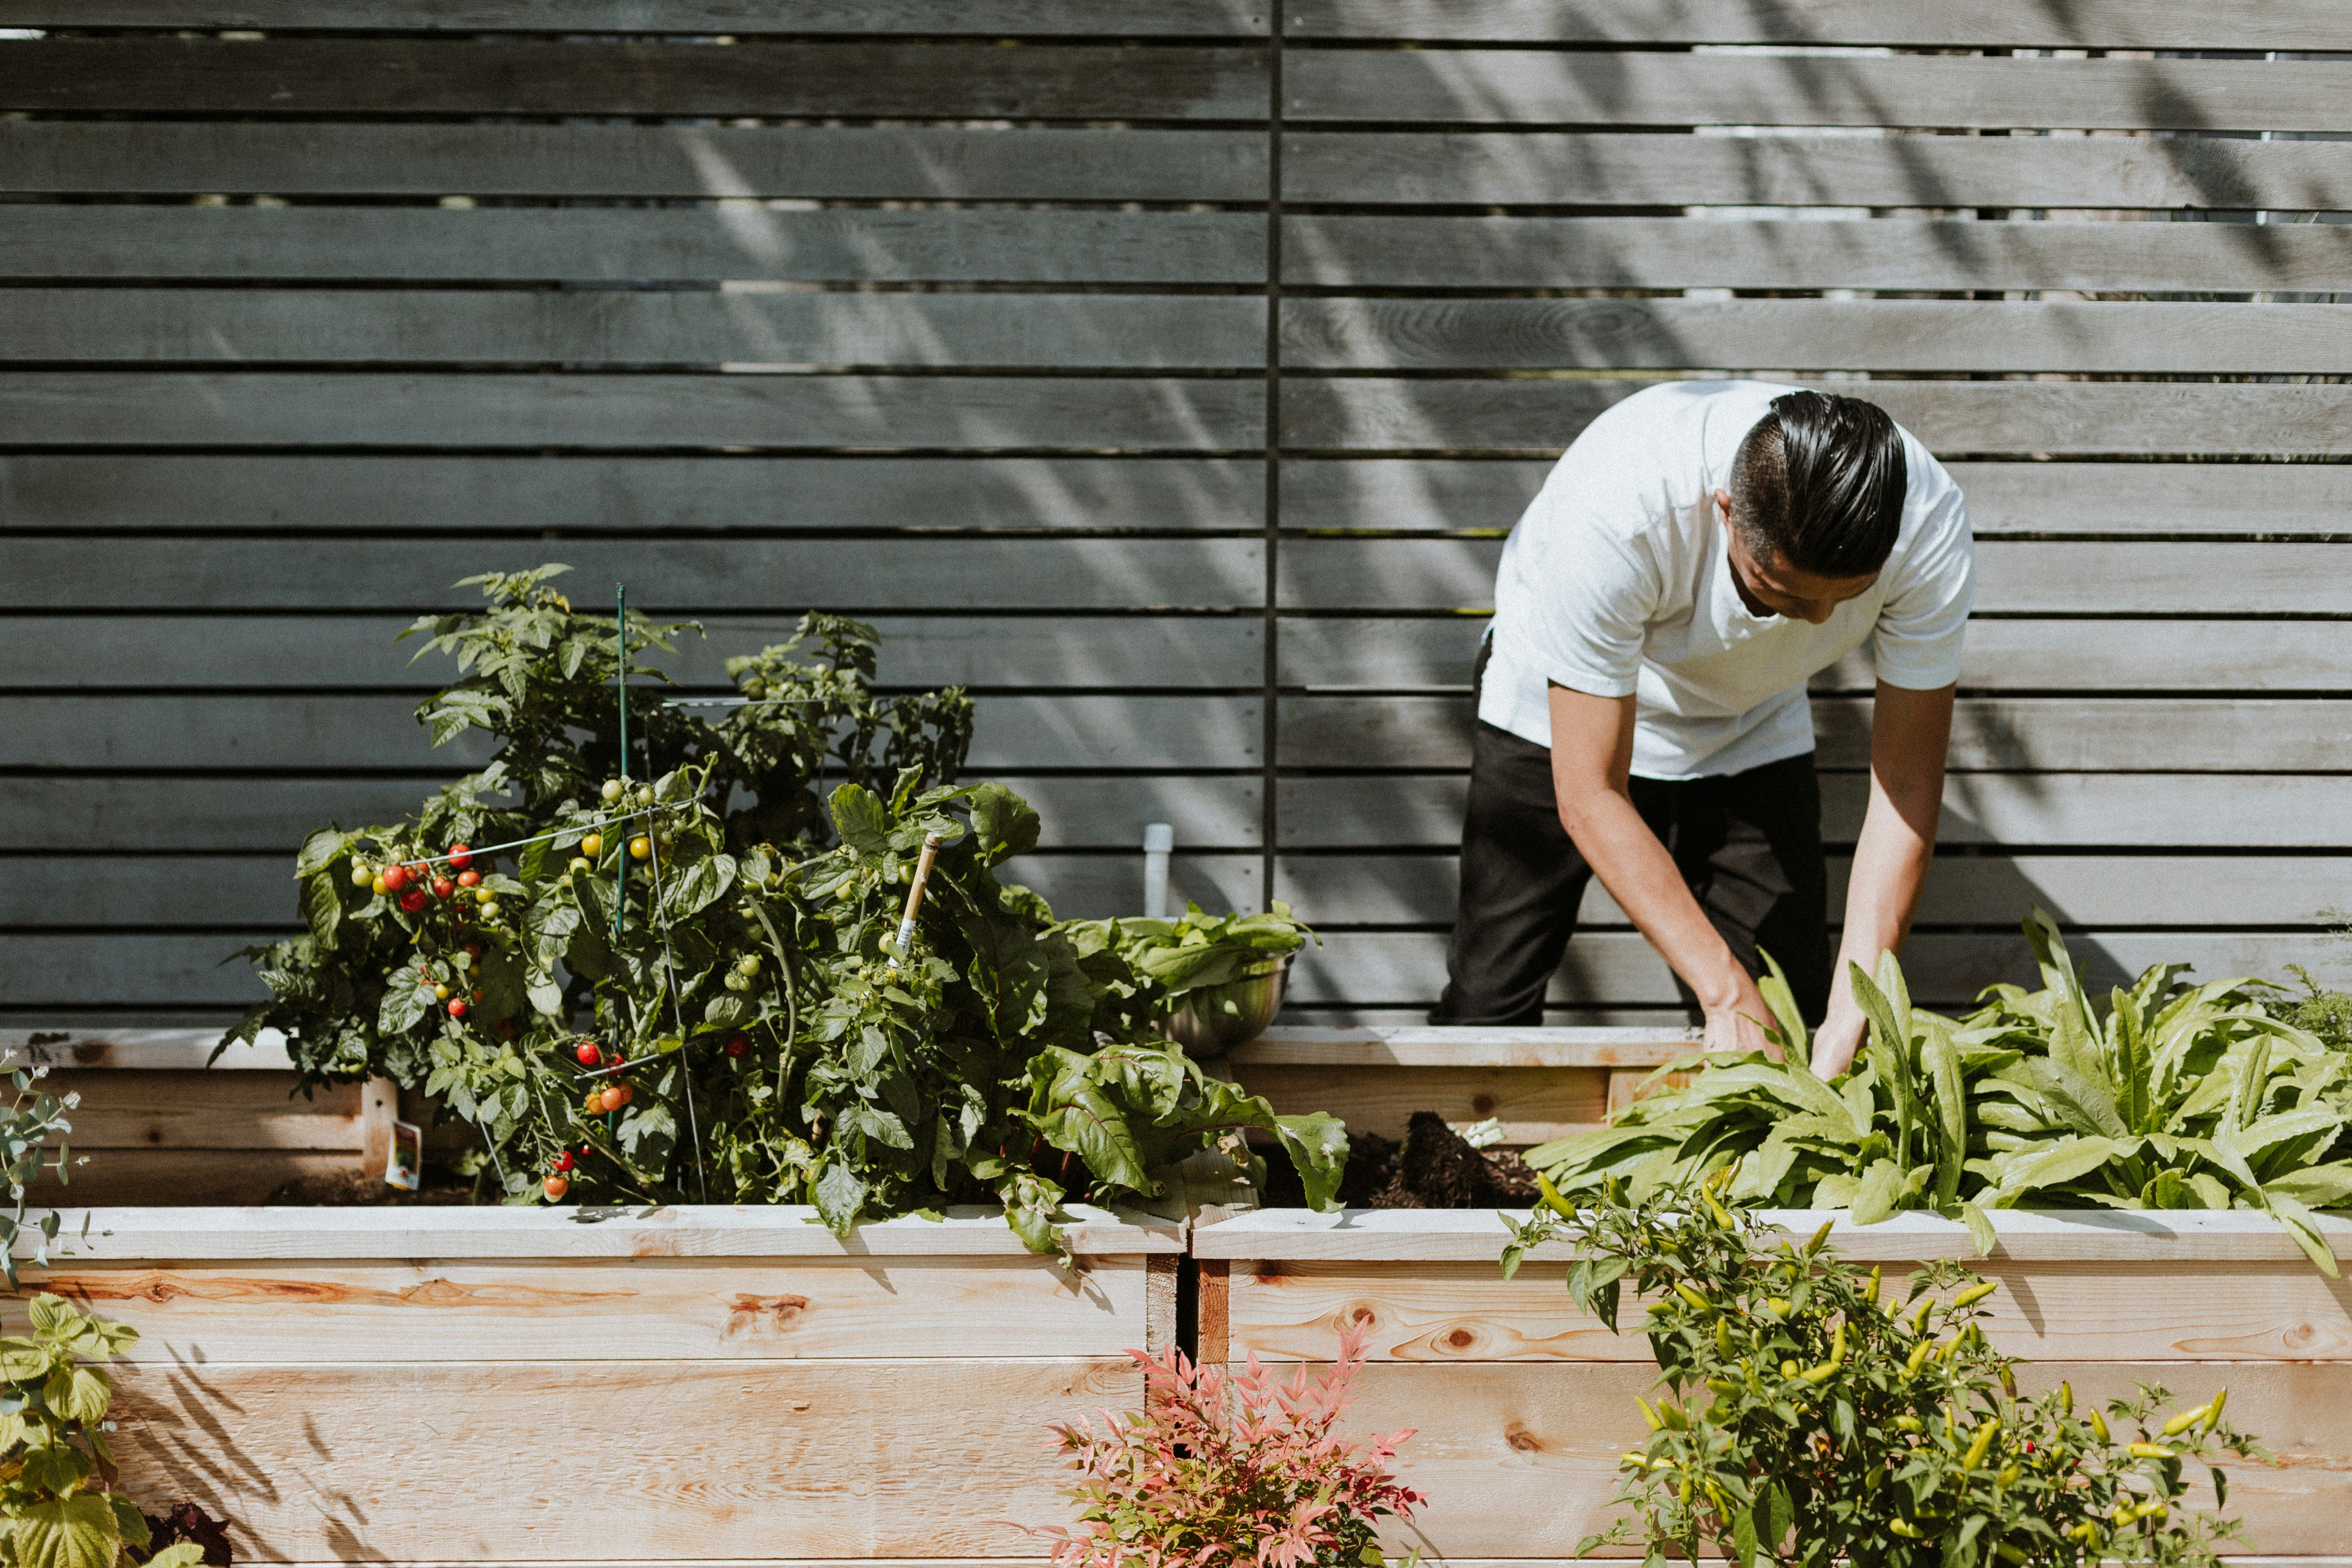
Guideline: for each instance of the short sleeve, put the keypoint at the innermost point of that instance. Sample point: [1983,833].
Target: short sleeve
[1587,599]
[1922,623]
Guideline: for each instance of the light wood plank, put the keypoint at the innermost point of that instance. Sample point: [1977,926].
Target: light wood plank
[2177,811]
[742,241]
[2016,24]
[1955,418]
[626,495]
[1422,1046]
[1682,170]
[689,576]
[271,816]
[2049,734]
[406,76]
[155,1050]
[679,1310]
[581,328]
[1808,334]
[184,157]
[146,1108]
[2013,577]
[1558,87]
[137,1234]
[831,1460]
[1389,252]
[1994,890]
[77,652]
[278,732]
[1530,1105]
[992,18]
[76,408]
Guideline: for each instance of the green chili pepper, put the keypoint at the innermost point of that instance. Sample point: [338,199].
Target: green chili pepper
[2066,1397]
[1982,1441]
[1906,1529]
[1552,1198]
[1975,1293]
[2185,1419]
[1920,1354]
[1873,1293]
[1649,1415]
[1723,1337]
[2099,1425]
[2148,1451]
[1688,1292]
[1820,1238]
[1722,1216]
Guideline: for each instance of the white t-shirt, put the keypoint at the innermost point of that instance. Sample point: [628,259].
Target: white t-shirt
[1616,581]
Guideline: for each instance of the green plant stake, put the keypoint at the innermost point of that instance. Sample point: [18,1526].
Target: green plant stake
[620,691]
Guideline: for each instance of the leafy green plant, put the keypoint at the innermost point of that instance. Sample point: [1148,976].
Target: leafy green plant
[1810,1421]
[1150,966]
[1218,1469]
[53,1448]
[2174,1096]
[691,988]
[28,1121]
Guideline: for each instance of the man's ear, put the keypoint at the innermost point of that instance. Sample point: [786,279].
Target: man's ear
[1722,503]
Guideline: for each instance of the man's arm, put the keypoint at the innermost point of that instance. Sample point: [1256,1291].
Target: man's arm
[1592,759]
[1910,733]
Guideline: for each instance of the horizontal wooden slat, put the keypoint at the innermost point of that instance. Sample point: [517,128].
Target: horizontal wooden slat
[670,1310]
[2035,655]
[2013,577]
[1422,1046]
[269,733]
[1952,417]
[1530,1106]
[704,160]
[402,75]
[2007,734]
[56,572]
[113,1177]
[325,326]
[1944,969]
[144,1050]
[80,408]
[1807,335]
[2014,24]
[626,495]
[1884,253]
[2157,890]
[77,652]
[1524,87]
[933,17]
[2138,499]
[2159,810]
[1645,169]
[127,1110]
[271,815]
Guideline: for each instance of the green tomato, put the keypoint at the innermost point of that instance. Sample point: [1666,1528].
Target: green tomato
[748,965]
[612,791]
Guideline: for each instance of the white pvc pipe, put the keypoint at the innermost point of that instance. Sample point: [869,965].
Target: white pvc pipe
[1159,839]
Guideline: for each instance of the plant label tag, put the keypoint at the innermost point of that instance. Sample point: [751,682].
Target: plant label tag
[405,1165]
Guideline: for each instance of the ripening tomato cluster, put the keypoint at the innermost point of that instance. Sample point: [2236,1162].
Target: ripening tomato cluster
[610,1096]
[414,885]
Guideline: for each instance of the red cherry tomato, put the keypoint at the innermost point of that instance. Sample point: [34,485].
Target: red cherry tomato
[413,901]
[739,1047]
[443,887]
[555,1188]
[394,879]
[563,1161]
[457,1008]
[473,950]
[588,1054]
[506,1029]
[469,879]
[460,855]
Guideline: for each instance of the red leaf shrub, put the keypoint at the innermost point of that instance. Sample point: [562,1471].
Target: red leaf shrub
[1222,1470]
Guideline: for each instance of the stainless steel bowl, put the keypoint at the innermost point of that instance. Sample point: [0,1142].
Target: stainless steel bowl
[1215,1018]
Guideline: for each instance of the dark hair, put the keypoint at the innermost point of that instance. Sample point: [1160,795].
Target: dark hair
[1819,482]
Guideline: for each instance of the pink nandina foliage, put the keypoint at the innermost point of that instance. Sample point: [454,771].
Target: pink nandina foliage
[1218,1471]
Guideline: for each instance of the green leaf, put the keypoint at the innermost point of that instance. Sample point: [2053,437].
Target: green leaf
[2069,1160]
[67,1532]
[1743,1538]
[839,1195]
[323,908]
[858,817]
[1790,1035]
[134,1524]
[404,1002]
[1003,825]
[2221,1487]
[1979,1225]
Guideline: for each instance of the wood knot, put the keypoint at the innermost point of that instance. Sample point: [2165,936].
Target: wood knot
[784,1313]
[1522,1440]
[2299,1336]
[1460,1340]
[1483,1104]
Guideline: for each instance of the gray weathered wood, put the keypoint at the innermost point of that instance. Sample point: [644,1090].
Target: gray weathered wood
[1955,418]
[2012,24]
[265,734]
[1393,251]
[741,241]
[2266,500]
[270,816]
[702,494]
[687,575]
[1338,653]
[705,412]
[633,328]
[1642,168]
[2184,811]
[1943,969]
[2157,890]
[151,653]
[704,160]
[2012,576]
[2071,734]
[1803,334]
[1064,18]
[404,75]
[1522,87]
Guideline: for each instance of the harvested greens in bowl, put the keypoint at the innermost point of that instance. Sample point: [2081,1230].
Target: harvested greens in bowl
[1197,950]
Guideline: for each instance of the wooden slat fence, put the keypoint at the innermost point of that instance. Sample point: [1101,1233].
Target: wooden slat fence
[1169,373]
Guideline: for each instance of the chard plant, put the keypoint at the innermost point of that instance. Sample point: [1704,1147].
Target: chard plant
[1809,1417]
[2172,1096]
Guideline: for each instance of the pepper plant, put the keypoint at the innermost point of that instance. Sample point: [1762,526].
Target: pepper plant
[1810,1418]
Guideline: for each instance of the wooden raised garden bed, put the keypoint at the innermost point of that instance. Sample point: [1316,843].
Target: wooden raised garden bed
[476,1385]
[1523,1404]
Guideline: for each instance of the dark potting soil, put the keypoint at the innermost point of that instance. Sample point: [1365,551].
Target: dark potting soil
[1433,1168]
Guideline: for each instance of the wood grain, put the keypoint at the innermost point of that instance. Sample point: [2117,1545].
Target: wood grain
[146,1109]
[867,162]
[405,75]
[1527,87]
[114,1177]
[1631,168]
[992,18]
[2016,24]
[1532,1105]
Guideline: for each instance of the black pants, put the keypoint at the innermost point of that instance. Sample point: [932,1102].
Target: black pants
[1749,845]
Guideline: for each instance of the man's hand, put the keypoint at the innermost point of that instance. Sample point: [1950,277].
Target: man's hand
[1739,1026]
[1839,1036]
